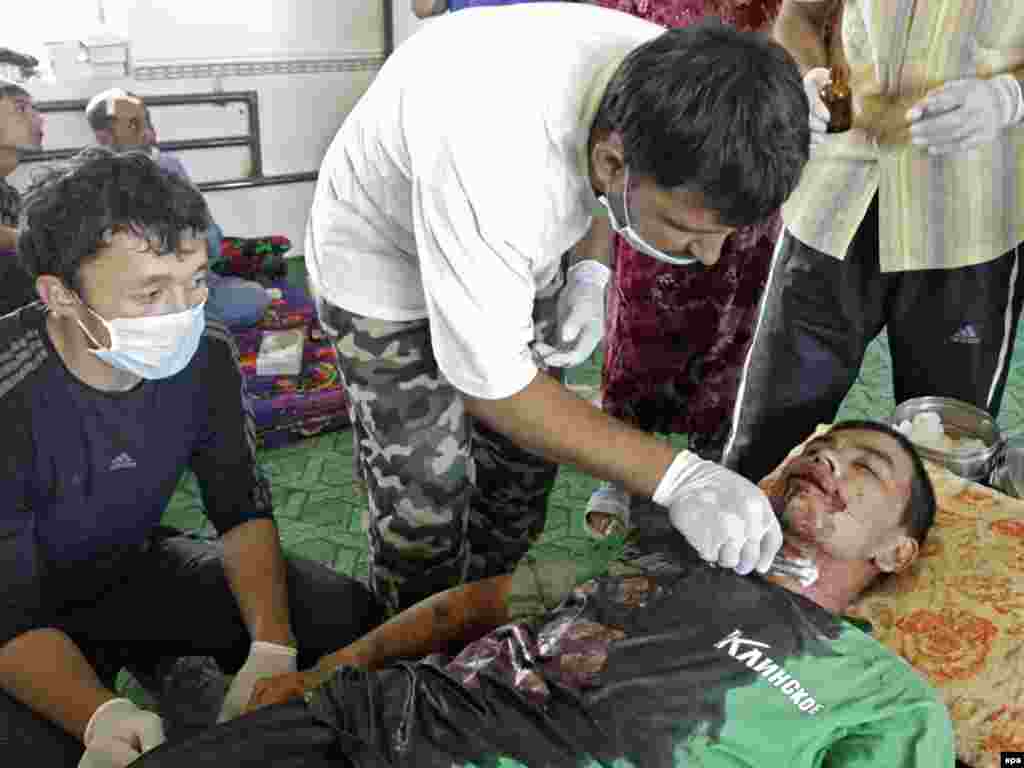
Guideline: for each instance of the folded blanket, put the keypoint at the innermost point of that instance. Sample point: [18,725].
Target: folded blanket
[289,408]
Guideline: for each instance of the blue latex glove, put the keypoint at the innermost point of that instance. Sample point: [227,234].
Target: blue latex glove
[965,113]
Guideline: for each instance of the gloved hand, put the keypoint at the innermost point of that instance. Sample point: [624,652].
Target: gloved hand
[265,660]
[118,733]
[727,519]
[814,81]
[580,316]
[964,113]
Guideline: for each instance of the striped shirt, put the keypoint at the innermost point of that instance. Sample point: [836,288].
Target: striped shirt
[940,212]
[10,205]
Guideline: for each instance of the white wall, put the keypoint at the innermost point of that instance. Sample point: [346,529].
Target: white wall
[404,21]
[205,29]
[308,60]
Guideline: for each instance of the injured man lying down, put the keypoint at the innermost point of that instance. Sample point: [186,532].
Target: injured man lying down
[645,656]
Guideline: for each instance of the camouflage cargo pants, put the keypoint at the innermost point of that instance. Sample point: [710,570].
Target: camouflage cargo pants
[450,500]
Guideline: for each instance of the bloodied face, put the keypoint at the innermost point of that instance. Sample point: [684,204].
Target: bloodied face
[846,493]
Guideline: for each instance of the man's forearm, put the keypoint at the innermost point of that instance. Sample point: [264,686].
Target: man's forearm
[444,621]
[8,238]
[800,29]
[255,570]
[549,420]
[44,670]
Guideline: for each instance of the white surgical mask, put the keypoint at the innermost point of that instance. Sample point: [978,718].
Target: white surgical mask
[154,347]
[626,232]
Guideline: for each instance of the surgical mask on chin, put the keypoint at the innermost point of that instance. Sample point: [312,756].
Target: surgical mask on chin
[626,232]
[153,347]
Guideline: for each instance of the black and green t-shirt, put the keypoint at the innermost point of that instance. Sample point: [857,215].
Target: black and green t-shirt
[668,662]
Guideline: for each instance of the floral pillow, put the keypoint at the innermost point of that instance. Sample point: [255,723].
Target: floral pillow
[957,614]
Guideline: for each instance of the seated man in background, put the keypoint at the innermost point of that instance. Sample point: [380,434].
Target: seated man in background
[110,388]
[121,120]
[21,127]
[666,660]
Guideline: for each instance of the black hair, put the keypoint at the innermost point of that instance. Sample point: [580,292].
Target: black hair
[9,90]
[919,514]
[71,209]
[717,111]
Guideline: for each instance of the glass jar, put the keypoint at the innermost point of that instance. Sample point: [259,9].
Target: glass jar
[838,99]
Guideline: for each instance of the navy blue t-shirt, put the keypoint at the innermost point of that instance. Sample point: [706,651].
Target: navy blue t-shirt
[88,473]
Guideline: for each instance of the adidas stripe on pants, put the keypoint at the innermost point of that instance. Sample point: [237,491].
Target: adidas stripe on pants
[951,333]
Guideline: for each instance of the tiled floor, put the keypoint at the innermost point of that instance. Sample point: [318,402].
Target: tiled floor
[319,508]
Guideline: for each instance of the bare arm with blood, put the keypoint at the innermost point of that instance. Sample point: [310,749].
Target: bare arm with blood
[441,623]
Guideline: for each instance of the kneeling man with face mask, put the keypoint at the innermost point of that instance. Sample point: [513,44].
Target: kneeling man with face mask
[110,388]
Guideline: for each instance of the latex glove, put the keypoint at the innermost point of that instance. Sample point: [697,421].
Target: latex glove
[965,113]
[265,660]
[727,519]
[118,733]
[814,81]
[580,314]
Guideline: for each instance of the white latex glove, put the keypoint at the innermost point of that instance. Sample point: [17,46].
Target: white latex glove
[727,519]
[118,733]
[265,660]
[580,316]
[964,113]
[814,81]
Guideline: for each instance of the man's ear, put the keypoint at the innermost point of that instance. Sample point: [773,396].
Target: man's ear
[607,159]
[58,299]
[104,137]
[897,554]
